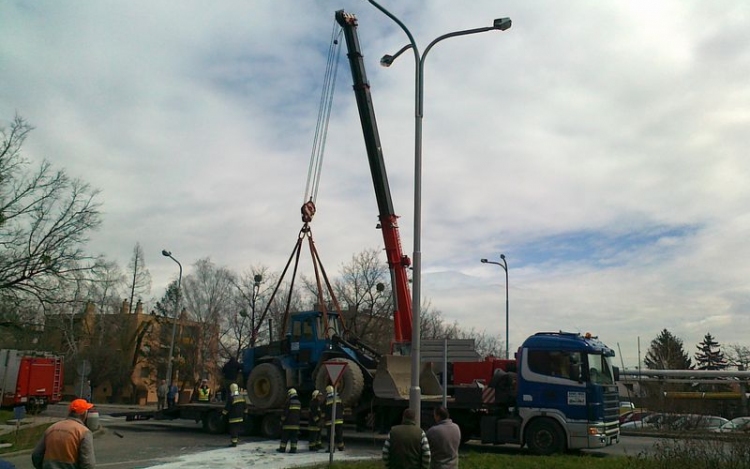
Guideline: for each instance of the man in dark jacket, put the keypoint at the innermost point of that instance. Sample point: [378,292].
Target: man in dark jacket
[67,443]
[406,446]
[444,438]
[317,414]
[235,410]
[290,422]
[331,400]
[229,373]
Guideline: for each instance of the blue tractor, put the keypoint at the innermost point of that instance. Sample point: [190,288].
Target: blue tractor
[312,339]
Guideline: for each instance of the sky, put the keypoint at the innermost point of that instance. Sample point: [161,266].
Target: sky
[601,146]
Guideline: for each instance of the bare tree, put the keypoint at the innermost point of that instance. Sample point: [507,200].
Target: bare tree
[45,220]
[363,290]
[737,355]
[140,282]
[209,297]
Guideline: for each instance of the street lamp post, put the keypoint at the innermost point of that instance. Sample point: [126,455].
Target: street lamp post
[256,288]
[499,24]
[504,265]
[166,253]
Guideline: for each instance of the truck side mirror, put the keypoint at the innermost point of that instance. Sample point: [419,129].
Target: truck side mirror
[616,372]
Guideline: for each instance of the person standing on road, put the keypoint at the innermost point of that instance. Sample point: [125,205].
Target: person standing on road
[317,414]
[204,392]
[290,422]
[406,446]
[229,373]
[161,395]
[235,411]
[172,395]
[67,443]
[444,438]
[339,436]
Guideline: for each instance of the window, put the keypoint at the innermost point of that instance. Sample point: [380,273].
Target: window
[600,369]
[555,363]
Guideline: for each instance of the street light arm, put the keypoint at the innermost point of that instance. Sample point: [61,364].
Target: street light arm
[387,60]
[390,15]
[485,261]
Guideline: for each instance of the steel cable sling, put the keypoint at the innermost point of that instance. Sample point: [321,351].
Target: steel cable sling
[311,188]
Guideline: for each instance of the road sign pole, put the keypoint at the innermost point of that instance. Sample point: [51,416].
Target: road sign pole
[335,371]
[333,428]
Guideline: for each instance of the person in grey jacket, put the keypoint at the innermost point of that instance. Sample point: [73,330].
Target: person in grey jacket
[67,444]
[444,438]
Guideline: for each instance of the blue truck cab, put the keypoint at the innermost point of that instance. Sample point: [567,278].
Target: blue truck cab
[566,392]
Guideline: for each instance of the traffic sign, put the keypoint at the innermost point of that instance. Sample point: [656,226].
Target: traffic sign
[335,370]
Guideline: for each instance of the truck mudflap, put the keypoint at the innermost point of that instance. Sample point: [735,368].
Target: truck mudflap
[392,378]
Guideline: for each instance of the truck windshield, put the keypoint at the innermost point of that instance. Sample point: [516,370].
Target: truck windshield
[600,369]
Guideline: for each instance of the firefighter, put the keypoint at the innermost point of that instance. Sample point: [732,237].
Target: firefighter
[339,436]
[235,410]
[317,414]
[290,422]
[204,392]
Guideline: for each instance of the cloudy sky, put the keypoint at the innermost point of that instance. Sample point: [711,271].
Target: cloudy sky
[601,146]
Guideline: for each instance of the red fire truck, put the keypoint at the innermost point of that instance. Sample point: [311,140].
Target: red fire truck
[30,378]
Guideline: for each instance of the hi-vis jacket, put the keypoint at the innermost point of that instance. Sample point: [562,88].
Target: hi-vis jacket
[329,410]
[290,419]
[235,408]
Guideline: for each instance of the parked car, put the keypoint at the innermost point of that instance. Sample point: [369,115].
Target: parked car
[626,406]
[739,424]
[634,415]
[700,423]
[647,422]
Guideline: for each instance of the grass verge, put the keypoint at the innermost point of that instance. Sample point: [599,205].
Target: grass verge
[25,438]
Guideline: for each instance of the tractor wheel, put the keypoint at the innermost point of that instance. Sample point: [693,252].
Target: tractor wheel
[265,386]
[545,437]
[270,427]
[350,386]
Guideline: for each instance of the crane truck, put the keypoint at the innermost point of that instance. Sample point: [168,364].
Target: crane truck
[546,412]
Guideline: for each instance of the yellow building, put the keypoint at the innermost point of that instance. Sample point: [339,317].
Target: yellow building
[125,355]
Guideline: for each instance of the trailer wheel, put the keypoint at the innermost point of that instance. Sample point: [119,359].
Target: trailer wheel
[544,437]
[270,427]
[214,423]
[265,386]
[351,384]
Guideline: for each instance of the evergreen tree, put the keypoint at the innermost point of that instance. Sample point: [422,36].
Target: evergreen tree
[667,353]
[709,355]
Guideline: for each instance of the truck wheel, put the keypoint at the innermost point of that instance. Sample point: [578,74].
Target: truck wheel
[265,386]
[351,384]
[271,426]
[544,437]
[213,423]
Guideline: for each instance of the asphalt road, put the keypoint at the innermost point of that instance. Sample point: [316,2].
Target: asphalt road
[140,444]
[127,445]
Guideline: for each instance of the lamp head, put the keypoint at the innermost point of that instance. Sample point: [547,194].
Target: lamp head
[166,253]
[502,256]
[257,279]
[502,24]
[483,261]
[386,60]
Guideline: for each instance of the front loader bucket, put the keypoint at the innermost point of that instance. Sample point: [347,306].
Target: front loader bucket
[428,381]
[392,379]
